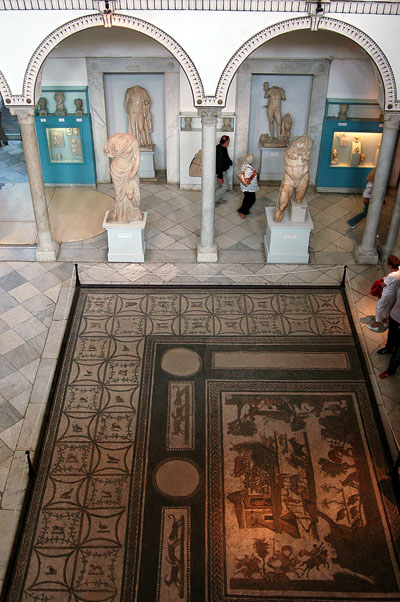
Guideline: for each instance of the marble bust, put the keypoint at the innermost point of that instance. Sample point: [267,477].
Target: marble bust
[78,102]
[42,106]
[296,175]
[60,107]
[342,115]
[123,149]
[137,105]
[227,124]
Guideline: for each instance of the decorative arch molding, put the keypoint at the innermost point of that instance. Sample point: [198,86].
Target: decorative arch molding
[367,44]
[391,102]
[96,20]
[4,87]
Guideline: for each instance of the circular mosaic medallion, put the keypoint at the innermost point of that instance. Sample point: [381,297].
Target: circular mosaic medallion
[181,362]
[177,478]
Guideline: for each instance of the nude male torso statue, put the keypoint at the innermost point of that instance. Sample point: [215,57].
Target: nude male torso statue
[275,95]
[296,175]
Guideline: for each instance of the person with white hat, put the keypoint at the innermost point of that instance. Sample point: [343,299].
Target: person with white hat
[250,187]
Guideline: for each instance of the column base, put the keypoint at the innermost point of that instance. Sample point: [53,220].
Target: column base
[366,257]
[206,255]
[47,254]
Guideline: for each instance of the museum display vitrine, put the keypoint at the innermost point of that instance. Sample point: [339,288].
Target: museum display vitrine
[350,144]
[64,135]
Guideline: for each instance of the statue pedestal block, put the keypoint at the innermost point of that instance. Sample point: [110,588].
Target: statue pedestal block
[146,167]
[271,163]
[126,242]
[287,241]
[298,211]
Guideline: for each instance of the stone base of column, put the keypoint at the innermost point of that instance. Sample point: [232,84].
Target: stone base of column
[366,257]
[47,254]
[206,255]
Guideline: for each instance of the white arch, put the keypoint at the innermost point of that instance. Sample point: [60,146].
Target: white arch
[96,20]
[371,48]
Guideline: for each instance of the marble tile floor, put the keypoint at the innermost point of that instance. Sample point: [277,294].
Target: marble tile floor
[34,304]
[35,298]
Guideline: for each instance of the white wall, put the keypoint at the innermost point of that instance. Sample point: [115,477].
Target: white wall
[64,72]
[198,33]
[352,74]
[352,79]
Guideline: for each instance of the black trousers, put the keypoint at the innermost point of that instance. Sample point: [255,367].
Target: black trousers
[393,345]
[3,138]
[249,198]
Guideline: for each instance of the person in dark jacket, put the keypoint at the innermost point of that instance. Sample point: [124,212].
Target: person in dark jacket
[223,163]
[3,138]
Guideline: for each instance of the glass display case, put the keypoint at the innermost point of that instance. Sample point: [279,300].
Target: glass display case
[350,144]
[64,135]
[64,145]
[355,149]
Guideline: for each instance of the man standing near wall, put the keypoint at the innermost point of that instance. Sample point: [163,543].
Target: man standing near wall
[3,138]
[223,163]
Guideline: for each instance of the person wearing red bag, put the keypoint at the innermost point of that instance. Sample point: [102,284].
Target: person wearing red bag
[391,283]
[249,190]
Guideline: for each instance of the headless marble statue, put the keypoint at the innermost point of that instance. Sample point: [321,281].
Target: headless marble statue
[137,105]
[296,175]
[125,154]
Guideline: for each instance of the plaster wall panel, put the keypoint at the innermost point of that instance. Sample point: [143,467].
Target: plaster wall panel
[64,72]
[352,79]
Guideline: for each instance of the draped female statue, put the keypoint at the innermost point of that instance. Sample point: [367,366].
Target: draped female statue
[125,154]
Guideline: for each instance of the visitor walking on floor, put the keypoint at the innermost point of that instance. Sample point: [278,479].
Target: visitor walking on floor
[353,221]
[393,341]
[223,163]
[3,137]
[391,283]
[250,187]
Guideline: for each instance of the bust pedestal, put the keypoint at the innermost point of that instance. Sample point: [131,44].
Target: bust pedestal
[287,241]
[126,241]
[146,167]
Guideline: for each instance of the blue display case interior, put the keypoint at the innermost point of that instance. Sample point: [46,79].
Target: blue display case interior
[65,136]
[350,144]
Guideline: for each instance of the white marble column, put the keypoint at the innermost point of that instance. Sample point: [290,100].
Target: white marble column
[366,253]
[394,228]
[47,248]
[207,250]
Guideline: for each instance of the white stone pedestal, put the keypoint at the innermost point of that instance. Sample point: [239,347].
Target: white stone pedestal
[126,241]
[271,163]
[146,167]
[287,241]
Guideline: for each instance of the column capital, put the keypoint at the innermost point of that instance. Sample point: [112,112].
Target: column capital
[391,121]
[26,115]
[209,115]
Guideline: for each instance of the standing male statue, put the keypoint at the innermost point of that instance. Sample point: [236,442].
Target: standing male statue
[275,95]
[296,176]
[137,105]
